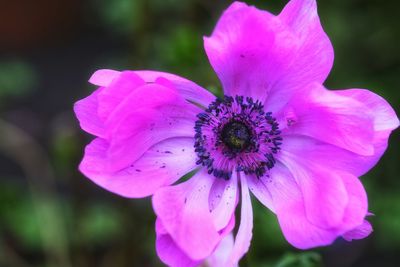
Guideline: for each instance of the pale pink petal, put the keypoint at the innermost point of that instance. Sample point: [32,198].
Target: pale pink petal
[267,57]
[186,88]
[244,234]
[103,77]
[323,190]
[221,254]
[222,199]
[86,112]
[229,228]
[258,186]
[184,212]
[360,232]
[332,118]
[168,252]
[160,166]
[216,192]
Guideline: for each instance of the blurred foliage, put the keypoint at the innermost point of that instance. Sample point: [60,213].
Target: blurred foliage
[17,214]
[307,259]
[121,16]
[91,227]
[17,78]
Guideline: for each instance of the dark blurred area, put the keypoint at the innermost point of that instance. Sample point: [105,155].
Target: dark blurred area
[50,215]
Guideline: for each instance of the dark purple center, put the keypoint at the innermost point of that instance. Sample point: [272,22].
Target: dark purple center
[235,134]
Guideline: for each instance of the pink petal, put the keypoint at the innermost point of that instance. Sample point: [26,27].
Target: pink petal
[187,89]
[308,224]
[184,212]
[315,55]
[103,77]
[324,193]
[168,251]
[290,209]
[257,54]
[334,119]
[147,96]
[172,255]
[385,118]
[247,50]
[362,231]
[86,112]
[334,157]
[357,206]
[142,178]
[313,59]
[243,237]
[222,199]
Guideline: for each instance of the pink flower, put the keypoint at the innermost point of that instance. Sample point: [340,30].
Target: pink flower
[298,147]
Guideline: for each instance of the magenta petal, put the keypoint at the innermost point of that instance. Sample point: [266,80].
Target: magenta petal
[150,114]
[289,207]
[143,177]
[86,112]
[360,232]
[169,252]
[147,96]
[332,118]
[103,77]
[115,93]
[267,57]
[184,212]
[187,89]
[244,235]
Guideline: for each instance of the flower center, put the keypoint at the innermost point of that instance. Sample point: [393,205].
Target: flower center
[235,134]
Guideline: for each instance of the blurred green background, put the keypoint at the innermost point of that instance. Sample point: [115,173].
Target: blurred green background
[50,215]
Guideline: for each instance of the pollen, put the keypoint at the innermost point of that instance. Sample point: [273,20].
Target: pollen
[236,135]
